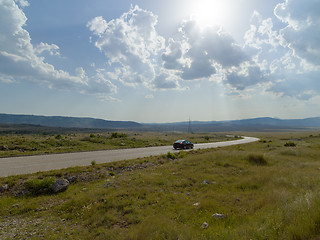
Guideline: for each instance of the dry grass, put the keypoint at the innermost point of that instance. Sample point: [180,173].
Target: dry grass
[171,199]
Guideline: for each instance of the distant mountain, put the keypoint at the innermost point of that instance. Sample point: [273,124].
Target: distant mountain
[254,124]
[66,122]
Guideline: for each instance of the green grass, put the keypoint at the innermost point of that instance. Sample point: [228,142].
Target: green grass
[27,144]
[265,190]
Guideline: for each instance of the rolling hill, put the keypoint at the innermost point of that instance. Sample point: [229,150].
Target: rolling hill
[254,124]
[66,122]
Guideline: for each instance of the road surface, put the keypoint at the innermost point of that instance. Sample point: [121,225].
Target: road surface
[31,164]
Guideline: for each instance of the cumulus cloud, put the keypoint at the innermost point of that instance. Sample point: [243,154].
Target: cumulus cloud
[22,3]
[165,80]
[262,34]
[213,42]
[303,24]
[138,53]
[132,43]
[211,53]
[246,75]
[21,61]
[52,49]
[291,54]
[199,51]
[173,55]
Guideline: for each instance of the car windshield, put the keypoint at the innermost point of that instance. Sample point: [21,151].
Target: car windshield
[179,141]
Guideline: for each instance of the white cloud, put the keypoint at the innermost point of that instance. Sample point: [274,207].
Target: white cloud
[303,27]
[165,80]
[213,42]
[18,57]
[21,61]
[97,25]
[292,53]
[200,50]
[52,49]
[245,76]
[97,84]
[131,45]
[172,58]
[22,3]
[137,54]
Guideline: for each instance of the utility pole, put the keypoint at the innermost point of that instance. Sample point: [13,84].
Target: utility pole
[189,126]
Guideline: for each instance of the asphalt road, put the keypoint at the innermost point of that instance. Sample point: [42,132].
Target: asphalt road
[31,164]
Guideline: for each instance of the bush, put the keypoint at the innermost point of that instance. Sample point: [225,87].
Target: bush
[257,159]
[58,137]
[290,144]
[93,162]
[39,186]
[171,155]
[118,135]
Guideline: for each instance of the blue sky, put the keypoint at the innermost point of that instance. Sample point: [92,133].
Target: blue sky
[160,61]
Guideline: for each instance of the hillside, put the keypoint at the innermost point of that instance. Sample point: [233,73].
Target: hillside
[254,124]
[66,122]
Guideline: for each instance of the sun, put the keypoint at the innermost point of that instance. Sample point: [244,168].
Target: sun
[210,12]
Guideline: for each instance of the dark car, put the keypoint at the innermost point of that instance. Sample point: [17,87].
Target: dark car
[183,144]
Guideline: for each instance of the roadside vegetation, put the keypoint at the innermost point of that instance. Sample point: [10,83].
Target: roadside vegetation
[262,190]
[30,144]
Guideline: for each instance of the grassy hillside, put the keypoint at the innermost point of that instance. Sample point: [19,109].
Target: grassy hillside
[66,122]
[263,190]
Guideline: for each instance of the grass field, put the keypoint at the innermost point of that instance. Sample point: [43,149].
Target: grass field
[30,144]
[263,190]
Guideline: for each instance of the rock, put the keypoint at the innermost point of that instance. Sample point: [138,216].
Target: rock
[196,204]
[15,205]
[72,179]
[122,144]
[204,225]
[4,188]
[4,148]
[205,182]
[218,215]
[60,185]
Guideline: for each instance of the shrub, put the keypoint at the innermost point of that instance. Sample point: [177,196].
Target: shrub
[171,155]
[118,135]
[206,138]
[290,144]
[93,162]
[257,159]
[39,186]
[58,137]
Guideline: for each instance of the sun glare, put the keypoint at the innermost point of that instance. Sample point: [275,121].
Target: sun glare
[210,12]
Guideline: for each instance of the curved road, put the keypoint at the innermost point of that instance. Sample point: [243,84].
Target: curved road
[31,164]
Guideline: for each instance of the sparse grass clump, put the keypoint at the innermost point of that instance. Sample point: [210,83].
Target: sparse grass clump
[257,159]
[290,144]
[39,186]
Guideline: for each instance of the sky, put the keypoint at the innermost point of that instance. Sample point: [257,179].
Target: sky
[160,61]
